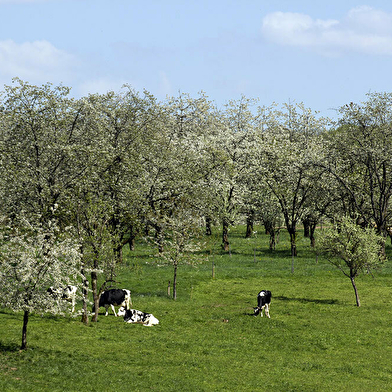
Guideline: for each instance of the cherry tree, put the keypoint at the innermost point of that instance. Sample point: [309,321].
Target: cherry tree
[352,249]
[33,258]
[289,146]
[359,160]
[45,142]
[229,150]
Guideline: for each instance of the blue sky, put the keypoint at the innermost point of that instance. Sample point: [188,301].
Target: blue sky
[322,53]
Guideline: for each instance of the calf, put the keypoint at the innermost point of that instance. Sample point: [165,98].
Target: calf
[114,297]
[263,302]
[137,316]
[67,293]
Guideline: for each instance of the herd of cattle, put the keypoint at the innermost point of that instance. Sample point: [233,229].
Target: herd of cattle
[109,298]
[122,298]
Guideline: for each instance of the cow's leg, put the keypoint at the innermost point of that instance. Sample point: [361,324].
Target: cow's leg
[114,310]
[267,311]
[261,311]
[107,310]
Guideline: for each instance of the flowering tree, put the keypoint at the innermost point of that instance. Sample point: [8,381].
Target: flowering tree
[288,149]
[179,241]
[174,165]
[360,160]
[229,150]
[33,258]
[352,249]
[45,139]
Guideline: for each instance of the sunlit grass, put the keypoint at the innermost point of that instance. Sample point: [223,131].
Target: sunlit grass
[207,340]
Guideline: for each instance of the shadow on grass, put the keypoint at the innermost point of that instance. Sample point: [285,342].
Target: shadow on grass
[60,317]
[305,300]
[9,347]
[9,313]
[249,314]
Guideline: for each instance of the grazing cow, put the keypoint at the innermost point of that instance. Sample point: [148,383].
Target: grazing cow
[114,297]
[67,293]
[263,302]
[137,316]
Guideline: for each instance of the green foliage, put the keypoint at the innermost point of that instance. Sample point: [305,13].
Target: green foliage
[359,160]
[351,248]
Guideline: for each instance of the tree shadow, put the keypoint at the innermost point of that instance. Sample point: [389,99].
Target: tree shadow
[308,300]
[9,347]
[249,314]
[9,313]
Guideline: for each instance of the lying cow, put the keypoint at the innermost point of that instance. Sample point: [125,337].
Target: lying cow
[68,293]
[263,302]
[137,316]
[114,297]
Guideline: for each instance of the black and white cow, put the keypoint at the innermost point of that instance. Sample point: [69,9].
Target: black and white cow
[263,302]
[67,293]
[114,297]
[137,316]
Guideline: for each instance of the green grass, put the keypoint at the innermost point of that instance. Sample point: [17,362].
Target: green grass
[207,340]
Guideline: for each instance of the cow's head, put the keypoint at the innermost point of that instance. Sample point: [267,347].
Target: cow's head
[256,310]
[121,311]
[152,320]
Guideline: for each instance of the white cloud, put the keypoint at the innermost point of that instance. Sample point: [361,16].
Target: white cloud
[363,30]
[35,61]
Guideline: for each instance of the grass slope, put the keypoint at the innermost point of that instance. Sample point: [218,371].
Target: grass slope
[207,340]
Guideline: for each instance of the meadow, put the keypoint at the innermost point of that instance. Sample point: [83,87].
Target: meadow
[208,339]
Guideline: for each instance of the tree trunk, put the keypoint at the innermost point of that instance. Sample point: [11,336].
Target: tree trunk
[175,282]
[84,295]
[270,229]
[208,226]
[306,223]
[225,235]
[293,240]
[131,241]
[312,229]
[24,330]
[272,240]
[94,288]
[267,225]
[356,291]
[131,244]
[249,224]
[118,253]
[158,237]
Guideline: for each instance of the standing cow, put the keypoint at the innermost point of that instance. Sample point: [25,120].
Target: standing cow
[114,297]
[263,302]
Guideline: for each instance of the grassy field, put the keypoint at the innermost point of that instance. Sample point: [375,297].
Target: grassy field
[208,340]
